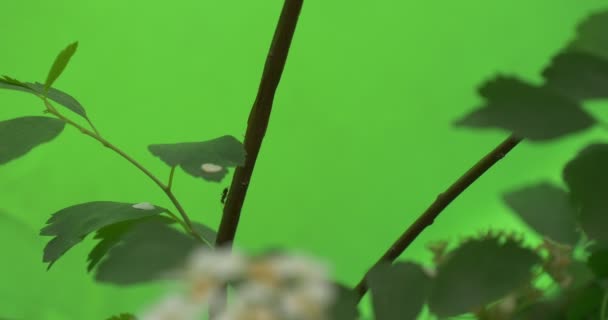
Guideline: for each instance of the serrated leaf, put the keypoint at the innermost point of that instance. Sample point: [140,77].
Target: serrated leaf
[598,263]
[150,251]
[398,290]
[192,157]
[111,235]
[72,224]
[591,36]
[578,75]
[479,272]
[20,135]
[123,316]
[344,306]
[535,113]
[59,65]
[547,209]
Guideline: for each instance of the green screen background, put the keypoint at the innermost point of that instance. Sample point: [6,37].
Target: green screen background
[360,140]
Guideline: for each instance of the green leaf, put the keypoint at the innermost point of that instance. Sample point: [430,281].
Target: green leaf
[579,76]
[587,178]
[150,251]
[206,232]
[598,263]
[59,65]
[13,84]
[212,155]
[585,303]
[60,97]
[72,224]
[479,272]
[112,234]
[20,135]
[547,209]
[398,290]
[344,306]
[123,316]
[591,35]
[535,113]
[587,174]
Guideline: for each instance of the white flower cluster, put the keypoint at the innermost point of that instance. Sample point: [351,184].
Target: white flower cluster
[277,287]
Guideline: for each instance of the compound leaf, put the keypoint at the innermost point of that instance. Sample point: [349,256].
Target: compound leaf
[72,224]
[206,159]
[535,113]
[20,135]
[578,75]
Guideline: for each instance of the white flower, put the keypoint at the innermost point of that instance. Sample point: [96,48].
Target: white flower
[143,206]
[299,266]
[173,307]
[221,263]
[211,167]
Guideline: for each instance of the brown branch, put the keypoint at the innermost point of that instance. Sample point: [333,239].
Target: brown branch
[256,128]
[258,119]
[442,201]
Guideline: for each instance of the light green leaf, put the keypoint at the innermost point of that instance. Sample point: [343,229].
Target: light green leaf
[20,135]
[479,272]
[530,112]
[72,224]
[59,65]
[207,159]
[150,251]
[398,291]
[547,209]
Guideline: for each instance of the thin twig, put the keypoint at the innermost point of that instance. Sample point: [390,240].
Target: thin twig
[443,200]
[256,129]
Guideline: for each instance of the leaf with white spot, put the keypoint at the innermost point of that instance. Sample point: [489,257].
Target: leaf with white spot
[72,224]
[207,159]
[20,135]
[144,206]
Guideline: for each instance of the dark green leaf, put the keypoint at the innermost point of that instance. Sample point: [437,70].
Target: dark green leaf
[479,272]
[215,155]
[60,97]
[20,135]
[72,224]
[205,232]
[579,76]
[598,263]
[59,65]
[150,251]
[527,111]
[547,209]
[585,303]
[587,174]
[123,316]
[37,89]
[344,306]
[398,291]
[111,235]
[591,35]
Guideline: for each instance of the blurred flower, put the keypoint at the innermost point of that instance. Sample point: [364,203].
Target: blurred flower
[173,307]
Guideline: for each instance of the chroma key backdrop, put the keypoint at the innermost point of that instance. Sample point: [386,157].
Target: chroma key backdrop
[361,138]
